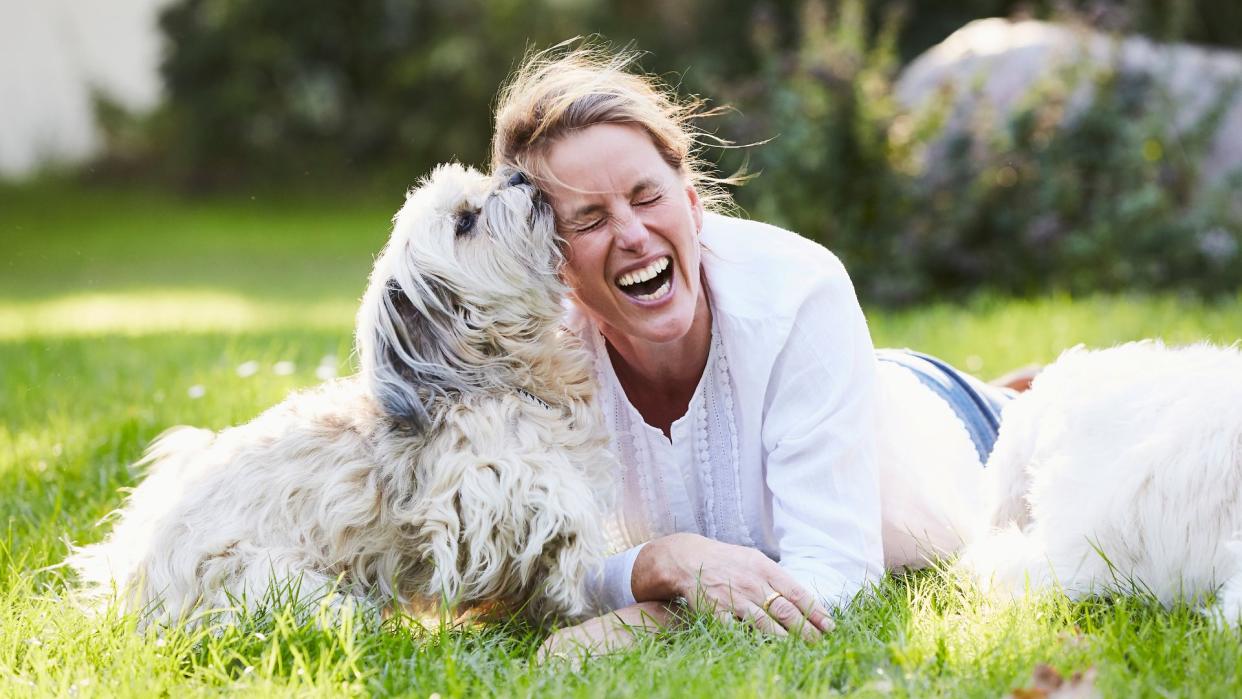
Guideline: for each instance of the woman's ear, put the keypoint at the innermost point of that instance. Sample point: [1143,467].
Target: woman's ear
[696,207]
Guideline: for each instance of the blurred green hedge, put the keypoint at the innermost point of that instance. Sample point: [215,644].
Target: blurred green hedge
[276,89]
[365,91]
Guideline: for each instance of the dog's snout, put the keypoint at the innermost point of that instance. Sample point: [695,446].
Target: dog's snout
[518,178]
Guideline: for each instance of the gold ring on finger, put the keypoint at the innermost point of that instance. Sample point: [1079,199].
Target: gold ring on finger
[769,600]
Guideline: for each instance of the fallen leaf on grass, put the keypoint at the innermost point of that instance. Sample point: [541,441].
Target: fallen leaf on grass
[1049,684]
[1073,638]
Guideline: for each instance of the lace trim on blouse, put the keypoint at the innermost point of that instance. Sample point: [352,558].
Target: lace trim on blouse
[712,481]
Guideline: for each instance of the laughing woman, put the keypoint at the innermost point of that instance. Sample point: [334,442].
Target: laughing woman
[736,372]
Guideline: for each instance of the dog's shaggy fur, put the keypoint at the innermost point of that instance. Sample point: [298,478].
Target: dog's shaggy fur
[465,463]
[1120,470]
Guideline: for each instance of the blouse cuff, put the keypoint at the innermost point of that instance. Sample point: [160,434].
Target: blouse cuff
[610,584]
[829,587]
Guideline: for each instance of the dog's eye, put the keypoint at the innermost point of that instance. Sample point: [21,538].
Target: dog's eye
[465,222]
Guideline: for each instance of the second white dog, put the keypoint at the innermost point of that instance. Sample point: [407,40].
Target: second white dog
[1120,470]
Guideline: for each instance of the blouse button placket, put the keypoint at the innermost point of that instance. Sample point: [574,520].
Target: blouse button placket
[702,453]
[726,399]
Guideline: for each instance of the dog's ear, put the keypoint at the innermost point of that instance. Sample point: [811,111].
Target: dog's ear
[405,342]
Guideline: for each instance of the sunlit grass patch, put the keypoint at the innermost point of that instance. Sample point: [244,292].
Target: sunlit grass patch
[163,310]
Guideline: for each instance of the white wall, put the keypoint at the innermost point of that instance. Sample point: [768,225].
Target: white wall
[52,53]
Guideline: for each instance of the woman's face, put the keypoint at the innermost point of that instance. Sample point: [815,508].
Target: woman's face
[631,225]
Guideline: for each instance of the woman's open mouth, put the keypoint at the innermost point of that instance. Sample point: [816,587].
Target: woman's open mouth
[649,283]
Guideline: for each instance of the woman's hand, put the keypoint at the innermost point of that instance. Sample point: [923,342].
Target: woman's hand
[605,634]
[733,582]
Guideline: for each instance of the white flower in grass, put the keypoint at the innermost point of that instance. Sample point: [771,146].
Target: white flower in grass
[283,368]
[246,369]
[327,367]
[196,391]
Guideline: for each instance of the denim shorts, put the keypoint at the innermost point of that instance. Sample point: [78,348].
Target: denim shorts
[977,404]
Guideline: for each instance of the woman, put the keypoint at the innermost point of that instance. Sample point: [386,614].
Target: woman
[735,368]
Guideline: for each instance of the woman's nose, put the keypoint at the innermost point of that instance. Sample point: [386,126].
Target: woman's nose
[632,234]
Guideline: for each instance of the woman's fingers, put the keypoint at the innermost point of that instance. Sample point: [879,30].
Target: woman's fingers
[564,645]
[738,608]
[807,605]
[724,616]
[811,608]
[791,618]
[775,614]
[754,615]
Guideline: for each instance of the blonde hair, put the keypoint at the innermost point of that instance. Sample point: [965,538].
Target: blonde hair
[577,84]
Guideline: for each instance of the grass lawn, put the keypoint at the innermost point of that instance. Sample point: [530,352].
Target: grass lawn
[123,313]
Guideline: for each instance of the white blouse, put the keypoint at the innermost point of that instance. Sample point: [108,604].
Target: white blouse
[777,449]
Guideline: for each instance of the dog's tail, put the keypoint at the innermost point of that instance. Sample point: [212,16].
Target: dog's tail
[115,569]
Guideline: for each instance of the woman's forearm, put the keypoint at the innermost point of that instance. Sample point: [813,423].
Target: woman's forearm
[644,616]
[607,633]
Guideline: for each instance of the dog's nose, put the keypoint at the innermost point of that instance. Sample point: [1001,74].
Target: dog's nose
[517,179]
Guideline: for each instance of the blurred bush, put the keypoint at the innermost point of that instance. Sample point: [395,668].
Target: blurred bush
[1044,198]
[280,89]
[277,89]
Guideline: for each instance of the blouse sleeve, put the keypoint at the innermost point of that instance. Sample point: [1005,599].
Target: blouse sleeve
[818,436]
[608,585]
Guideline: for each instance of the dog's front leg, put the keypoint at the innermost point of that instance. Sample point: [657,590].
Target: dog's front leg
[247,580]
[503,516]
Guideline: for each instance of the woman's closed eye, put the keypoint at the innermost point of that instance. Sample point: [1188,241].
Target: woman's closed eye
[590,226]
[644,199]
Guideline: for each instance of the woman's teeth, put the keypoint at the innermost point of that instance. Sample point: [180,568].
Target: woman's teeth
[655,294]
[642,275]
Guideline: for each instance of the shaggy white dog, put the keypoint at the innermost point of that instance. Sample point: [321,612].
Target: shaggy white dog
[465,464]
[1120,470]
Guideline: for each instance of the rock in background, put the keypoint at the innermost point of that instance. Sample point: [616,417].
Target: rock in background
[991,67]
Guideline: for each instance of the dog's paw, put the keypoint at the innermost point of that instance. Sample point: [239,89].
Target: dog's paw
[1006,563]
